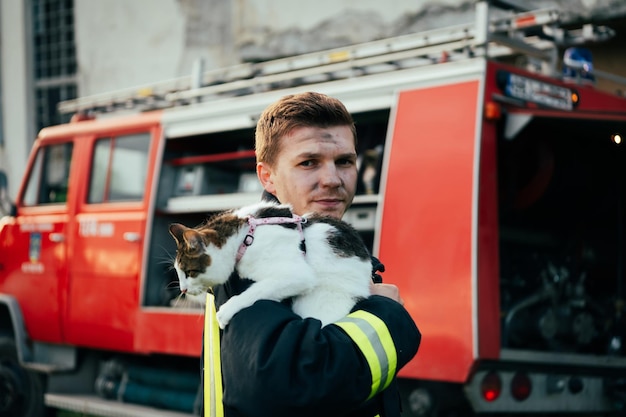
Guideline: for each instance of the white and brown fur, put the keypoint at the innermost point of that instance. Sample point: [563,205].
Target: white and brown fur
[326,281]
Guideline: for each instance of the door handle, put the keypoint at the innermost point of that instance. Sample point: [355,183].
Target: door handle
[132,237]
[57,237]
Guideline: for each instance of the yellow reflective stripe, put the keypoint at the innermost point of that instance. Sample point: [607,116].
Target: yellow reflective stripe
[213,406]
[366,348]
[372,337]
[383,344]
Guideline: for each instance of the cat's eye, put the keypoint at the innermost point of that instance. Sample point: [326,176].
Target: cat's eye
[192,273]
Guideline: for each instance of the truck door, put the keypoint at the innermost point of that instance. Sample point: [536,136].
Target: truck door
[108,245]
[37,250]
[426,238]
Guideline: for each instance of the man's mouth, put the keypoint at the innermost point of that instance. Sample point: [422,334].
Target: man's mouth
[329,201]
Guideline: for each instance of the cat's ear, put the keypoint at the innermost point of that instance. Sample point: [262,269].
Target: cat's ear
[187,237]
[210,235]
[194,242]
[177,230]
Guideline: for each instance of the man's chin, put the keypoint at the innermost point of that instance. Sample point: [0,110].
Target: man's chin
[336,211]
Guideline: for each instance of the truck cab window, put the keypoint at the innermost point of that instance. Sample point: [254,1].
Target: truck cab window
[119,169]
[48,180]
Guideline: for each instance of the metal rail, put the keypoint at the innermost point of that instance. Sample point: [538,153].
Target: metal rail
[515,33]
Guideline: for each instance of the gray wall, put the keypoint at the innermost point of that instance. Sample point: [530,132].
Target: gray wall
[120,45]
[17,104]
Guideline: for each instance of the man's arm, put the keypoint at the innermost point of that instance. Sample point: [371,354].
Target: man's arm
[276,363]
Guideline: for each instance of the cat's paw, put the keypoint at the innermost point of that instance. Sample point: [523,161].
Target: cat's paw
[227,311]
[223,318]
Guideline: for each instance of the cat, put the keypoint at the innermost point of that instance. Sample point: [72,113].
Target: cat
[320,261]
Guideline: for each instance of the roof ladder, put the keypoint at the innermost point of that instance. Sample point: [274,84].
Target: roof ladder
[506,34]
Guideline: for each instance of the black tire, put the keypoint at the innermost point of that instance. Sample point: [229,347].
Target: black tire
[433,399]
[21,391]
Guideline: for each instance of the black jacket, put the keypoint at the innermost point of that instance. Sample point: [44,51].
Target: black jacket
[274,363]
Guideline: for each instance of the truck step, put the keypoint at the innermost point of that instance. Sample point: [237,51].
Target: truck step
[95,406]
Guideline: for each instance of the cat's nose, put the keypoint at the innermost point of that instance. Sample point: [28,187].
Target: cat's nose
[183,290]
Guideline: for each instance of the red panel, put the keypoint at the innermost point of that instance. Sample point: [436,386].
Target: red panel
[488,247]
[31,267]
[102,312]
[106,246]
[591,99]
[426,235]
[175,332]
[220,157]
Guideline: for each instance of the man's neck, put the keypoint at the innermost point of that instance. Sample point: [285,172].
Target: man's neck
[269,197]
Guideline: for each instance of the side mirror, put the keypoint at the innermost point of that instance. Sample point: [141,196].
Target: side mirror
[6,206]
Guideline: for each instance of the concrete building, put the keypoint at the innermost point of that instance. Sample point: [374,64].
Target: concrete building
[52,50]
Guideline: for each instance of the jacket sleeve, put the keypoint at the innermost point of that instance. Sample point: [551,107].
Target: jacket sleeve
[276,363]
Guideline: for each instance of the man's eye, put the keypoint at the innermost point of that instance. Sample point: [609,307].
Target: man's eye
[307,163]
[345,162]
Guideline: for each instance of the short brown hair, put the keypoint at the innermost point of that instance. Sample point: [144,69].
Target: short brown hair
[297,110]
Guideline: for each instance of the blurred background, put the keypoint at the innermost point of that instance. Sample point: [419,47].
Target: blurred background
[54,50]
[57,50]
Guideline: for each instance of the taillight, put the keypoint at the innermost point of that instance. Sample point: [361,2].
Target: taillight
[491,386]
[521,386]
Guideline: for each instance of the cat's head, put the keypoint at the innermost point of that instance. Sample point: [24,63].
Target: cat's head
[199,262]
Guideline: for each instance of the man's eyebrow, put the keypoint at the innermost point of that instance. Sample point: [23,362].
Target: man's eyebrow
[308,155]
[347,155]
[314,155]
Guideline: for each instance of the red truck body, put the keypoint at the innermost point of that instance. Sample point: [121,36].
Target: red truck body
[497,209]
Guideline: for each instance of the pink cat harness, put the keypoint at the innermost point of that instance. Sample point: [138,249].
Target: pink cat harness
[254,222]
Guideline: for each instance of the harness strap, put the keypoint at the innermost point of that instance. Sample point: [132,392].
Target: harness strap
[213,406]
[254,222]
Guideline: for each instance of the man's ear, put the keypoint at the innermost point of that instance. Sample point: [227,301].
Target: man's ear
[264,172]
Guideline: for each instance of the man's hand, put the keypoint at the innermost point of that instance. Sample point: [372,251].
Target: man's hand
[386,290]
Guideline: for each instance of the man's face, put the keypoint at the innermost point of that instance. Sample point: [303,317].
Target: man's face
[315,170]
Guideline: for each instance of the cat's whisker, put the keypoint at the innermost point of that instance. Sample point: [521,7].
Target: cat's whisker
[173,285]
[201,318]
[185,301]
[178,300]
[166,258]
[165,249]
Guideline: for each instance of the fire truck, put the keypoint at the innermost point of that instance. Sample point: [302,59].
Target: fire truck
[491,185]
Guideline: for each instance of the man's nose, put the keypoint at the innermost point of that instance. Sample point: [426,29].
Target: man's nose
[330,176]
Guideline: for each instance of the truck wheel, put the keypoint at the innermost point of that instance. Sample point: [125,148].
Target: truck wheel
[21,391]
[418,400]
[433,399]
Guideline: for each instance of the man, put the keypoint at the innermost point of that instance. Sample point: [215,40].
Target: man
[275,363]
